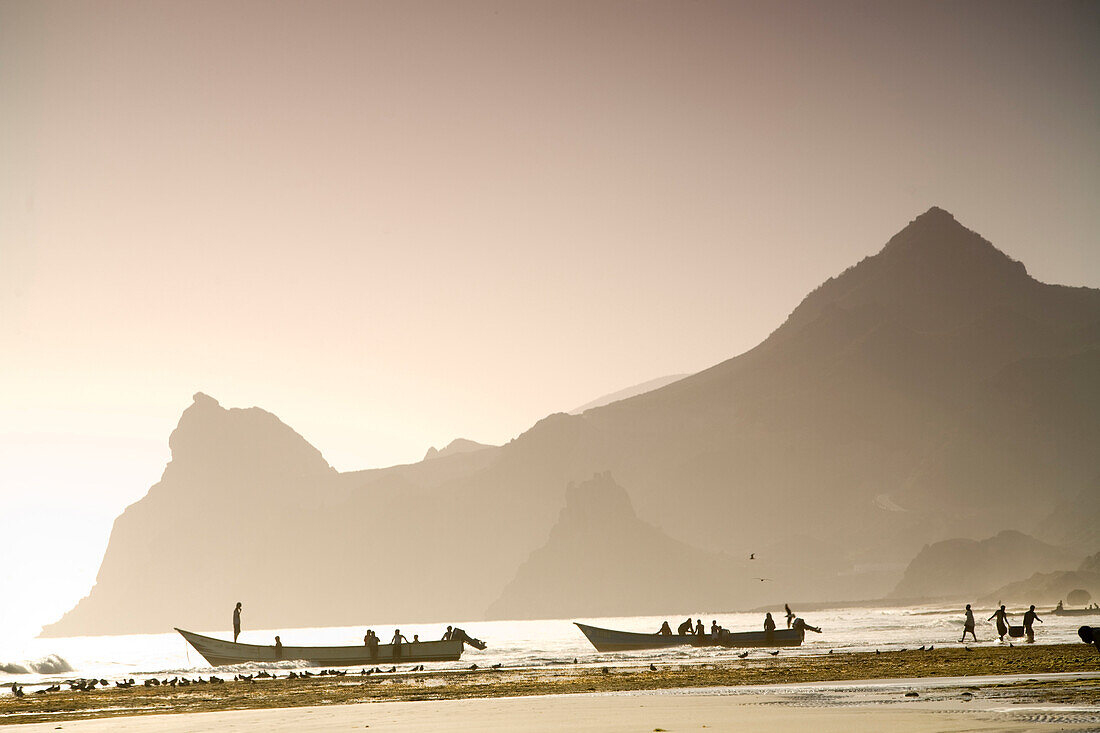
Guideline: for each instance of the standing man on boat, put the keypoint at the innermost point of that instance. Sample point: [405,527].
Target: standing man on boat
[398,637]
[236,622]
[278,647]
[1002,622]
[769,627]
[968,625]
[1030,617]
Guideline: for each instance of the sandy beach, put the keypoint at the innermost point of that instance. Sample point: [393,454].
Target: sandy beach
[825,709]
[993,688]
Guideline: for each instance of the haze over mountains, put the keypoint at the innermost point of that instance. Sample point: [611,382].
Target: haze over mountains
[932,391]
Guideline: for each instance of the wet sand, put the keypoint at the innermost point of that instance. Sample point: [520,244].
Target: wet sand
[429,689]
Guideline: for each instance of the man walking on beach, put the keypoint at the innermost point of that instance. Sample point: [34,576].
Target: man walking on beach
[968,625]
[1030,617]
[236,622]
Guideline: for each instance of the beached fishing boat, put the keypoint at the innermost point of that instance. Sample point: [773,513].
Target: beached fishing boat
[609,640]
[1076,611]
[219,652]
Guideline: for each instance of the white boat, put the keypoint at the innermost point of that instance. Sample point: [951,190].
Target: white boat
[219,652]
[610,640]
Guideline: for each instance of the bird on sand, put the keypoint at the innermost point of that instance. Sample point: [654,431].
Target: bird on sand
[968,649]
[742,655]
[652,667]
[775,653]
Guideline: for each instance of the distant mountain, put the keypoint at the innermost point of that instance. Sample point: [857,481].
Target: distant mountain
[1051,587]
[600,558]
[458,445]
[632,391]
[932,391]
[965,569]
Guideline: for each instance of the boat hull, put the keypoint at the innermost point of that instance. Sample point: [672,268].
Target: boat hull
[609,640]
[219,652]
[1076,612]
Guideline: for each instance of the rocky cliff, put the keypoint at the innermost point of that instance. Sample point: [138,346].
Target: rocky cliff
[933,390]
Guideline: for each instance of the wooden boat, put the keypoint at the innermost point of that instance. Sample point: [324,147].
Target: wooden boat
[609,640]
[1076,611]
[219,652]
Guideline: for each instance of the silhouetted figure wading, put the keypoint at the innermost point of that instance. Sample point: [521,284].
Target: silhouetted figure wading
[1002,622]
[237,621]
[968,625]
[1030,617]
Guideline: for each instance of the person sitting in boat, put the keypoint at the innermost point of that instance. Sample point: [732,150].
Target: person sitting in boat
[416,638]
[685,628]
[398,637]
[666,630]
[769,626]
[1059,607]
[700,630]
[715,629]
[278,647]
[802,627]
[447,634]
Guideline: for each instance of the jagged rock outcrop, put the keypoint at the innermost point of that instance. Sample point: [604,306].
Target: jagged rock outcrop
[962,569]
[601,560]
[934,390]
[458,445]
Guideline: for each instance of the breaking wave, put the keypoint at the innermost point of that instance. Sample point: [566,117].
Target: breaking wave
[53,664]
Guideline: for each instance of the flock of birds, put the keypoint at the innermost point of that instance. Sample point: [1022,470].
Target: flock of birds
[90,685]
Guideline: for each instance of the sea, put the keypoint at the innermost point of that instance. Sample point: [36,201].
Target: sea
[513,644]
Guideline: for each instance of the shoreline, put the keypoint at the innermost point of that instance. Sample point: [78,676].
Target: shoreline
[1079,661]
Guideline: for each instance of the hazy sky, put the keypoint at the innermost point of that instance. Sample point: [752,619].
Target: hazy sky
[393,224]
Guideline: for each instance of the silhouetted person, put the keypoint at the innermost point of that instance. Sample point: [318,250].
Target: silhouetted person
[416,638]
[397,639]
[1030,617]
[968,624]
[237,621]
[790,615]
[700,630]
[769,627]
[685,628]
[666,630]
[371,640]
[1059,607]
[278,647]
[802,627]
[715,629]
[447,634]
[1002,622]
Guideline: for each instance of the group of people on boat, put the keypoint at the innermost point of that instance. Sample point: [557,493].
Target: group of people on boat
[1004,625]
[717,632]
[1090,607]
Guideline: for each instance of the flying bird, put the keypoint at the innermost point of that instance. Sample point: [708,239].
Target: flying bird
[762,580]
[752,555]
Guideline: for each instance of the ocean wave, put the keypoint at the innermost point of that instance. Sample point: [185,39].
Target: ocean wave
[53,664]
